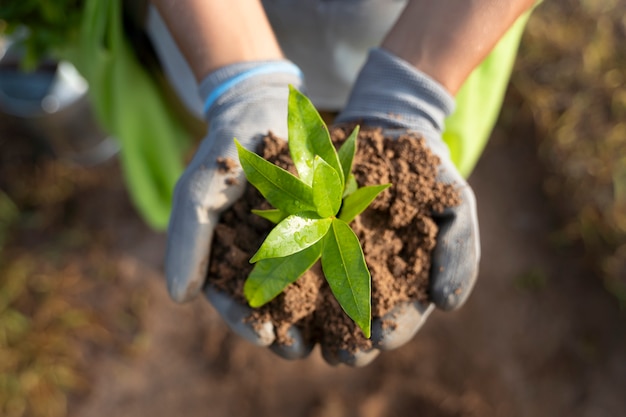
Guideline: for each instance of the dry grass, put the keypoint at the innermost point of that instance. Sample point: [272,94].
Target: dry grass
[39,327]
[52,272]
[571,73]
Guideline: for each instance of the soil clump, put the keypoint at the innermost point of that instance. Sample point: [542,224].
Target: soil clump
[397,234]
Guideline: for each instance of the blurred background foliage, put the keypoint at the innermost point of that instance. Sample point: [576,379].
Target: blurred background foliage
[571,74]
[53,269]
[57,23]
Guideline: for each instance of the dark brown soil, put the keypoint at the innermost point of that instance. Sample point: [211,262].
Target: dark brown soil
[397,234]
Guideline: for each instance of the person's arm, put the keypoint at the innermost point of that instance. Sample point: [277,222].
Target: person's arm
[243,81]
[214,34]
[447,39]
[407,85]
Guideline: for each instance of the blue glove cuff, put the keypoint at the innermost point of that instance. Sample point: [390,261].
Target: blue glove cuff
[220,81]
[391,93]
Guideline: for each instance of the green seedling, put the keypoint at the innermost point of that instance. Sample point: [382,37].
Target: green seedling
[311,213]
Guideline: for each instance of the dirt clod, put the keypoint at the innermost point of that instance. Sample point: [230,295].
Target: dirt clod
[226,165]
[397,233]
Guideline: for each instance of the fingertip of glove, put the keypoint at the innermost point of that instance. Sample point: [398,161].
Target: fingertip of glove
[236,315]
[449,297]
[399,326]
[357,359]
[180,294]
[182,286]
[453,274]
[297,349]
[185,264]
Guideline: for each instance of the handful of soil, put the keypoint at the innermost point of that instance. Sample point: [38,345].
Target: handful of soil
[397,234]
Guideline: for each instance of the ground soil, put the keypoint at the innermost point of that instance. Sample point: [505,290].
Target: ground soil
[397,234]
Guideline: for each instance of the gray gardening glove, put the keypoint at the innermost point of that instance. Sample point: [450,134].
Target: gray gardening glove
[242,101]
[391,94]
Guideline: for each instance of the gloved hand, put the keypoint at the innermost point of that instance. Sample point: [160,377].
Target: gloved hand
[391,94]
[242,101]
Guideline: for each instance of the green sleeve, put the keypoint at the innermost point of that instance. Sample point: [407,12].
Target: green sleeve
[479,100]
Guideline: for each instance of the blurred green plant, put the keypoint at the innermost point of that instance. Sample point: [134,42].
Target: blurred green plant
[571,72]
[311,213]
[129,100]
[51,26]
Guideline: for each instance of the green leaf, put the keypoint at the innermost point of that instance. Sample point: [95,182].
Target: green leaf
[270,276]
[152,138]
[280,188]
[327,188]
[273,215]
[355,203]
[345,270]
[346,153]
[351,186]
[308,136]
[295,233]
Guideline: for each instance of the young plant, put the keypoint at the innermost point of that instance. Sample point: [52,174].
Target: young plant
[312,213]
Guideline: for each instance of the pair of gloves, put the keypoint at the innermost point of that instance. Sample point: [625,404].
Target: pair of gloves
[246,100]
